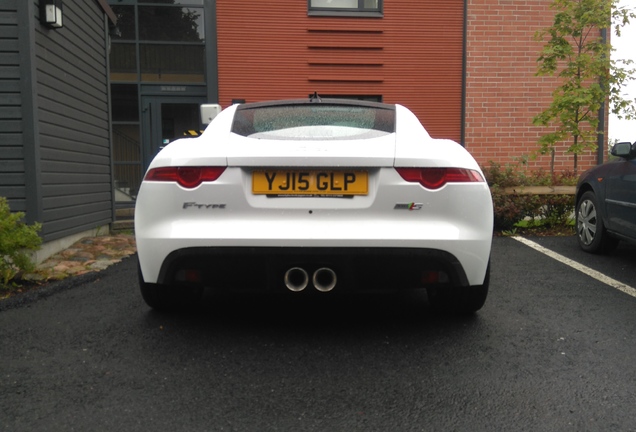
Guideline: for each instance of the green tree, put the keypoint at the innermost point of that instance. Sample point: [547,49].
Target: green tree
[579,53]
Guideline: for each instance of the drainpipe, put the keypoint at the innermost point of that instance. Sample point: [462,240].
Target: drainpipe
[601,138]
[464,79]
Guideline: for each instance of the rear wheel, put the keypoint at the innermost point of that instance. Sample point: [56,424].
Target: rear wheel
[459,300]
[168,298]
[590,229]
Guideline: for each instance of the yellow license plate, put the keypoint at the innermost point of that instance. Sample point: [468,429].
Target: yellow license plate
[318,183]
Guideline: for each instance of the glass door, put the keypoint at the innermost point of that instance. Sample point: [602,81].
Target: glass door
[166,119]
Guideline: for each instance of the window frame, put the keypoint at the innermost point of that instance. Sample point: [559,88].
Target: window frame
[360,11]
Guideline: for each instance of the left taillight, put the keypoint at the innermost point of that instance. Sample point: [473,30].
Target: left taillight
[187,177]
[435,178]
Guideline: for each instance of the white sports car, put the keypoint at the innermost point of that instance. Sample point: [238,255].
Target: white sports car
[315,196]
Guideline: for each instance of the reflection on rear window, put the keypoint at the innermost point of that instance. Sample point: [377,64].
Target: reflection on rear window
[314,121]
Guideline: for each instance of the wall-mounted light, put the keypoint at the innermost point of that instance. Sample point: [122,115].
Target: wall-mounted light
[51,13]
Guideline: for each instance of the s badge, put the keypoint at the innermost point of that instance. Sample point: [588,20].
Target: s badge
[408,206]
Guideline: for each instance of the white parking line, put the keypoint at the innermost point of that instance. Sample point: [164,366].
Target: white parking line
[580,267]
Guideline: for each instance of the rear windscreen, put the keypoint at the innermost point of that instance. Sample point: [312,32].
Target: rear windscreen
[314,121]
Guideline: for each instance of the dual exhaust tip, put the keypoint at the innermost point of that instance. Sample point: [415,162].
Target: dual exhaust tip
[324,279]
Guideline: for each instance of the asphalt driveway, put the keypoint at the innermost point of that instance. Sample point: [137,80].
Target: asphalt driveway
[551,350]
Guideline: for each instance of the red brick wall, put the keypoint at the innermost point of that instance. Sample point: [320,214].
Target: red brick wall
[502,92]
[411,56]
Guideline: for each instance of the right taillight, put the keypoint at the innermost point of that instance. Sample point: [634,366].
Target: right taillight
[187,177]
[435,178]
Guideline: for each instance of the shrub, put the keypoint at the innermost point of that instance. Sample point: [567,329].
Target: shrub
[535,210]
[518,175]
[510,209]
[557,209]
[503,177]
[16,239]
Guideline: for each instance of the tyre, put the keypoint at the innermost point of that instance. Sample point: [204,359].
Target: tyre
[590,229]
[459,300]
[168,298]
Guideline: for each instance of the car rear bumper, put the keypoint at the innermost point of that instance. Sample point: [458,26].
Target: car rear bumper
[356,268]
[237,242]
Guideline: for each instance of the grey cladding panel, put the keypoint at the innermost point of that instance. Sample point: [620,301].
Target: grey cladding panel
[72,134]
[89,208]
[58,113]
[97,147]
[77,157]
[73,122]
[12,191]
[11,139]
[9,58]
[7,153]
[73,167]
[10,112]
[9,72]
[12,86]
[12,179]
[10,126]
[11,166]
[76,200]
[9,45]
[74,189]
[10,4]
[8,32]
[17,205]
[8,99]
[89,93]
[75,178]
[8,14]
[73,224]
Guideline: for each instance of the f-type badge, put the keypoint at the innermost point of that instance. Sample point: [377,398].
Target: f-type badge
[408,206]
[187,205]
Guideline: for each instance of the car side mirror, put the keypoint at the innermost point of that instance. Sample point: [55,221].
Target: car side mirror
[622,149]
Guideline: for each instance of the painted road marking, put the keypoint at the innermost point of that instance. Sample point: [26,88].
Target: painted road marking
[580,267]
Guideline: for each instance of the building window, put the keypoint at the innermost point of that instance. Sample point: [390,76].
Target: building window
[174,24]
[159,43]
[172,63]
[369,8]
[194,2]
[370,98]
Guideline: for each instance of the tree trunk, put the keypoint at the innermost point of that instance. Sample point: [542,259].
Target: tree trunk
[552,153]
[576,164]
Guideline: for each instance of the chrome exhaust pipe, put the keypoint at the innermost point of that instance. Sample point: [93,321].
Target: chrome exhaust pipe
[324,279]
[296,279]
